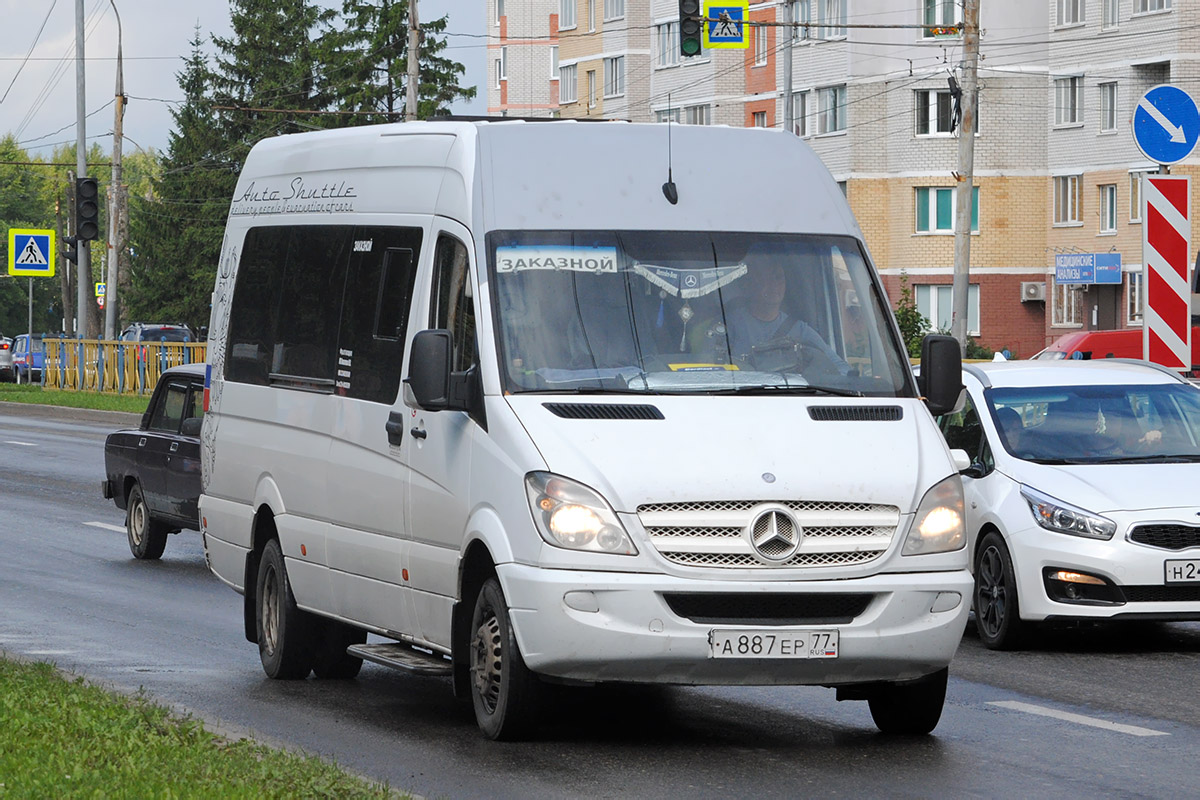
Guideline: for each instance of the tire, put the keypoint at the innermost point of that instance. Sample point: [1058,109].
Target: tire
[997,608]
[285,633]
[330,660]
[910,709]
[505,694]
[147,537]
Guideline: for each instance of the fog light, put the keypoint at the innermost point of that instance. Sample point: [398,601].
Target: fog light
[1075,577]
[1081,588]
[582,601]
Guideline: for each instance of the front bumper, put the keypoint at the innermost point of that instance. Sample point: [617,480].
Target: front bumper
[634,636]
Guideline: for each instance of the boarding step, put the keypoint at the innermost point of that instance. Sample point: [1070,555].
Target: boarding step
[402,656]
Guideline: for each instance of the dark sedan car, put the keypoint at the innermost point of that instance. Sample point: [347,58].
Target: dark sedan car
[153,471]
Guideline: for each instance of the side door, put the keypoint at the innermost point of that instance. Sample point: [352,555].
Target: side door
[183,463]
[439,445]
[154,445]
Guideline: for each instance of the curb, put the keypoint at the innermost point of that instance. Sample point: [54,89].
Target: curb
[119,419]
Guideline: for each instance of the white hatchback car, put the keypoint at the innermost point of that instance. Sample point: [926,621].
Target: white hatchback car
[1081,499]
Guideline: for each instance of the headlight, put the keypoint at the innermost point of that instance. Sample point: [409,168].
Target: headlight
[938,526]
[1055,515]
[569,514]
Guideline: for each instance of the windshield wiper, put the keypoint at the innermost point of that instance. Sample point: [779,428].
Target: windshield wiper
[1166,458]
[768,389]
[1060,462]
[586,390]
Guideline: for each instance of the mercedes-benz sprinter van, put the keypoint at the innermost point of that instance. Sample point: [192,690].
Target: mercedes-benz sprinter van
[575,403]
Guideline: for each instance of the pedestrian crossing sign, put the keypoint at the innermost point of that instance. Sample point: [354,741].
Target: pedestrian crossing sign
[31,252]
[725,24]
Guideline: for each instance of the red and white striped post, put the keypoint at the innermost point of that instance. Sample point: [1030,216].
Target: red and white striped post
[1167,278]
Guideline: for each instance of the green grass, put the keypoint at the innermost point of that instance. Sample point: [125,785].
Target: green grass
[65,738]
[32,393]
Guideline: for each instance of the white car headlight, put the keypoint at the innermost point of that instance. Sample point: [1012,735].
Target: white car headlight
[1055,515]
[939,525]
[570,515]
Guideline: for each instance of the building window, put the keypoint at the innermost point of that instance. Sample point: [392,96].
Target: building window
[802,14]
[553,62]
[503,62]
[940,13]
[1067,110]
[1144,6]
[1065,309]
[935,112]
[759,119]
[831,113]
[499,10]
[1068,199]
[1108,107]
[1109,13]
[697,115]
[800,113]
[1133,298]
[760,46]
[1108,208]
[1070,12]
[935,302]
[668,44]
[936,208]
[591,15]
[831,16]
[591,76]
[568,88]
[667,114]
[566,14]
[614,9]
[614,76]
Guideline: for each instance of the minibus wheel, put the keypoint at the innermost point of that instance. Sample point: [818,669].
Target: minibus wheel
[910,708]
[147,538]
[285,633]
[331,661]
[503,690]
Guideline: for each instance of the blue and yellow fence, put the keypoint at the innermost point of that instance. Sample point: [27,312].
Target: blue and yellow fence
[114,367]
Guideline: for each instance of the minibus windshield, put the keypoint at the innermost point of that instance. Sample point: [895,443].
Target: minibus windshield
[690,312]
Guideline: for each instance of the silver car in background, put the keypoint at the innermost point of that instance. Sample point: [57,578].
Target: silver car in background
[6,365]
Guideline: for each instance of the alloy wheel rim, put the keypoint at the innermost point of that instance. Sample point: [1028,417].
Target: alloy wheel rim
[990,594]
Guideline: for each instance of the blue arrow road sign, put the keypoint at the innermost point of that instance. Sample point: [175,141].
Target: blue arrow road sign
[1166,124]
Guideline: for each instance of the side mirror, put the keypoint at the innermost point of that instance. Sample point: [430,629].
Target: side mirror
[191,426]
[961,459]
[940,381]
[429,370]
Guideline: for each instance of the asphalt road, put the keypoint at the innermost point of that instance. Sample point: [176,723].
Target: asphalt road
[1112,711]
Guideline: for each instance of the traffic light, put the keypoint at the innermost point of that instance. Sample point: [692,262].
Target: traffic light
[71,251]
[690,28]
[87,209]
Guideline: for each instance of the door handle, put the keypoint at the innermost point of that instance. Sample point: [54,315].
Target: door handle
[418,433]
[395,428]
[142,442]
[174,446]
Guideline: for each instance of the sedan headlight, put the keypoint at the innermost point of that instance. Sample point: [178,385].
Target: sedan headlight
[570,515]
[1055,515]
[938,526]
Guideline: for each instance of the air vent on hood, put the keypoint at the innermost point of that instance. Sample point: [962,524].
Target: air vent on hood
[603,411]
[856,413]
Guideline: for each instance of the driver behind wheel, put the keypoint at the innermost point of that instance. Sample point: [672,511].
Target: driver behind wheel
[757,328]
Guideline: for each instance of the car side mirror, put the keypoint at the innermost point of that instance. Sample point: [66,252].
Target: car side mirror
[940,381]
[191,426]
[429,369]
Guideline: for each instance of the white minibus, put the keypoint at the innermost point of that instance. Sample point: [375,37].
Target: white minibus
[563,402]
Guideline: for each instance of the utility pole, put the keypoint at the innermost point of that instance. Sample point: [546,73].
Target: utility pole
[966,174]
[115,208]
[414,61]
[789,18]
[83,270]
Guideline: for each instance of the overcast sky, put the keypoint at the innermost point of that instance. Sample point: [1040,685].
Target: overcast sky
[39,98]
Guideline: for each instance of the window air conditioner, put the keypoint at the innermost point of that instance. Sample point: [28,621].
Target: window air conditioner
[1032,292]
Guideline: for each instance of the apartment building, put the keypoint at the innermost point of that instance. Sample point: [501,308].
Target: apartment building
[523,70]
[1055,166]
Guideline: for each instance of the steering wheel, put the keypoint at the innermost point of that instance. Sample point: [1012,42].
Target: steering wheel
[785,354]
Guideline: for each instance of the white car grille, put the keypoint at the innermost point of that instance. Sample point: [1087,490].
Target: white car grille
[712,534]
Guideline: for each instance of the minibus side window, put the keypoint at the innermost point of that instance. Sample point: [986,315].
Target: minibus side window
[255,305]
[452,308]
[310,302]
[375,312]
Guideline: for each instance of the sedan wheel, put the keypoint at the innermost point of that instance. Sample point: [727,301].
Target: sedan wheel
[147,538]
[997,611]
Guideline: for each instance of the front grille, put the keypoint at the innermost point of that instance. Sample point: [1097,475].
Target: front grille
[768,609]
[712,533]
[1166,536]
[1162,594]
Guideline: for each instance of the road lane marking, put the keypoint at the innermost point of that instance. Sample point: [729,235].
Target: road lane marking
[21,444]
[1079,719]
[106,526]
